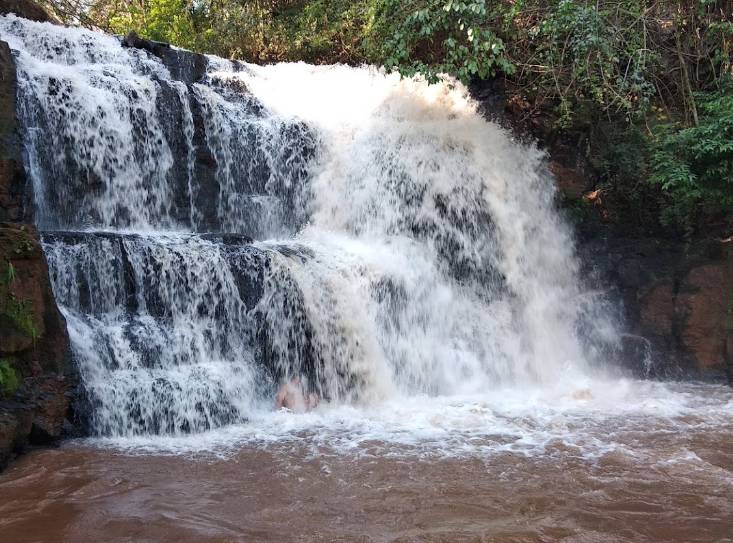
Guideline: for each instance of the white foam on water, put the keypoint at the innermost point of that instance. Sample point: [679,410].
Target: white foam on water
[618,418]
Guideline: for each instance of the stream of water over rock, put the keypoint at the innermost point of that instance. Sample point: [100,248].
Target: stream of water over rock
[209,238]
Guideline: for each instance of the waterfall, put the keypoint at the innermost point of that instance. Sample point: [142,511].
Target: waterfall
[209,238]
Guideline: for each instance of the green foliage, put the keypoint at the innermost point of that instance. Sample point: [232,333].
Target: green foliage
[694,165]
[563,51]
[323,29]
[256,31]
[8,378]
[162,20]
[593,51]
[440,37]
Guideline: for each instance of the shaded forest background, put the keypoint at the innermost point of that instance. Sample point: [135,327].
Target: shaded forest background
[644,87]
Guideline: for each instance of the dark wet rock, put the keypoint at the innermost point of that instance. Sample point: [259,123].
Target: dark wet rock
[207,189]
[229,239]
[183,65]
[51,401]
[13,197]
[704,311]
[16,420]
[631,274]
[571,177]
[636,354]
[27,287]
[677,302]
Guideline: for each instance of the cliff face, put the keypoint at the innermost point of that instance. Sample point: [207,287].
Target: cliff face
[12,176]
[36,375]
[677,301]
[15,194]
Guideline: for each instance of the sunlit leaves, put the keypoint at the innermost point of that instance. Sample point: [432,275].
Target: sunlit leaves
[695,165]
[437,38]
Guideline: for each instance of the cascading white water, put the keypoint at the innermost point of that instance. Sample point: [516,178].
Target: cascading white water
[403,244]
[110,140]
[159,327]
[439,250]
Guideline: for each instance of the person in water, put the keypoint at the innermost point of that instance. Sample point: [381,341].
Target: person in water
[292,396]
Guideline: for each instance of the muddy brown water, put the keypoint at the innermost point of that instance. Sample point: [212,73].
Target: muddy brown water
[300,491]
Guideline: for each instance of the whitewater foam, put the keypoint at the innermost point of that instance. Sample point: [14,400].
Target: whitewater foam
[602,420]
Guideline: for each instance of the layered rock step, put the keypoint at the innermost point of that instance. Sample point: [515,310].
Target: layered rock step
[174,333]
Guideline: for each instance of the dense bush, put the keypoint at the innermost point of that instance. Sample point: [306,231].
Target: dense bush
[694,165]
[433,38]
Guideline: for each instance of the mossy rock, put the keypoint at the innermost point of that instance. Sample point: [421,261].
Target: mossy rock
[14,337]
[9,378]
[19,254]
[17,320]
[17,242]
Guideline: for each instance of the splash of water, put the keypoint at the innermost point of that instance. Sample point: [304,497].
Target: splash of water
[405,246]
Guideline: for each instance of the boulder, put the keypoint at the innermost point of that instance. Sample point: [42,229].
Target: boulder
[15,425]
[51,403]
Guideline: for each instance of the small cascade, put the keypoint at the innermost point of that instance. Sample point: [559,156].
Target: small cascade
[162,326]
[212,235]
[111,142]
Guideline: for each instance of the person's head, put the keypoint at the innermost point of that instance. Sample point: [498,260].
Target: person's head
[295,380]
